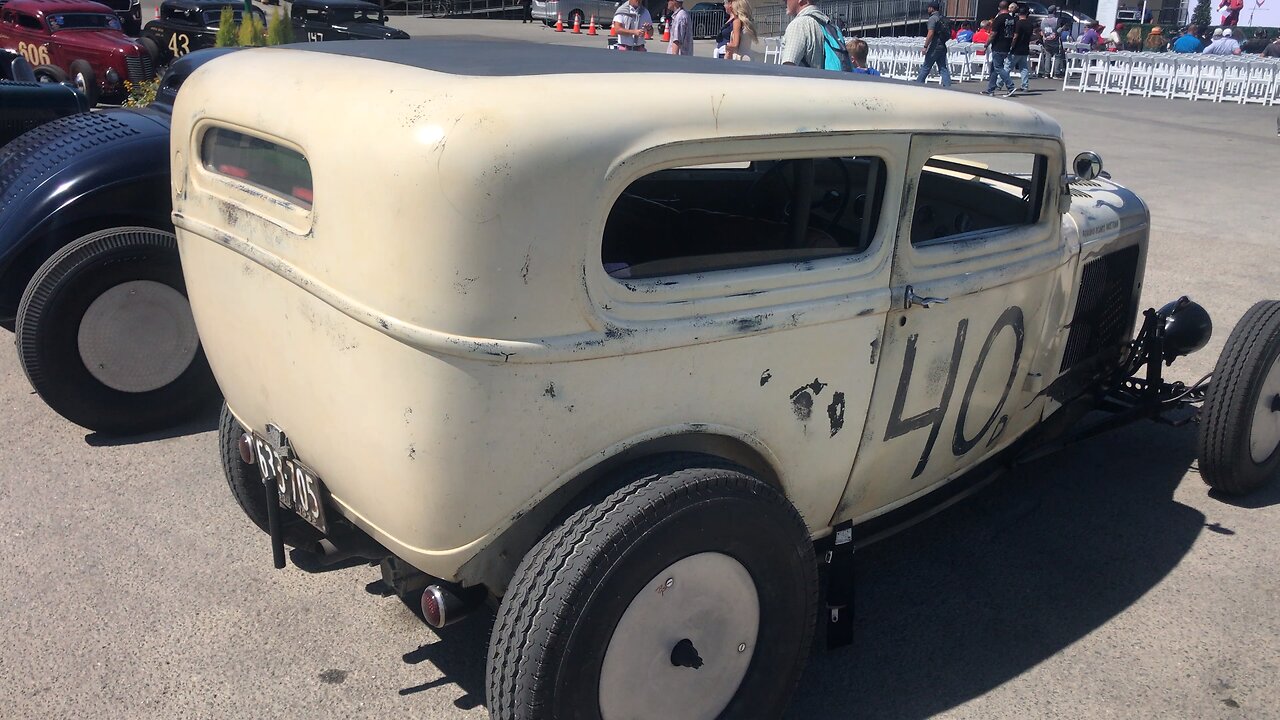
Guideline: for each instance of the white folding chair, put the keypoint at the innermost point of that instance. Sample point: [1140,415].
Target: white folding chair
[1119,66]
[1209,80]
[1142,69]
[1186,77]
[1073,74]
[1163,68]
[1096,68]
[1235,75]
[773,50]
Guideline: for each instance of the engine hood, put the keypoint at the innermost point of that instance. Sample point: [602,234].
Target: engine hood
[1102,211]
[372,31]
[100,41]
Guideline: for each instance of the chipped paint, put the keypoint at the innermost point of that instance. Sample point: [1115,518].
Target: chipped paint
[765,377]
[803,397]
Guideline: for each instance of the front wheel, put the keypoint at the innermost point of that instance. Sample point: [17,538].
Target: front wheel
[85,81]
[106,337]
[689,593]
[1240,422]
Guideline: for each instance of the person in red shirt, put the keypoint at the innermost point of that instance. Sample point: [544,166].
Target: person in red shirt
[983,34]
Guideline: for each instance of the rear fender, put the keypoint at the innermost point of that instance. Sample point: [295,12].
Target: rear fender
[74,176]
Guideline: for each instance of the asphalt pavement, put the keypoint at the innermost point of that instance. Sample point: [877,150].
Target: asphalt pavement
[1103,582]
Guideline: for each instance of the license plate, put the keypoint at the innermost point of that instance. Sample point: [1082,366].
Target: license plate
[299,488]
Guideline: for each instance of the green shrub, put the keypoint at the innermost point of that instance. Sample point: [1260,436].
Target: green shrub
[252,34]
[226,29]
[279,31]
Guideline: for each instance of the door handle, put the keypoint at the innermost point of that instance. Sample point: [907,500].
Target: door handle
[913,299]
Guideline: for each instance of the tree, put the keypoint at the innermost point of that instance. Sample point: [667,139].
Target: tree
[279,31]
[251,30]
[1201,14]
[226,29]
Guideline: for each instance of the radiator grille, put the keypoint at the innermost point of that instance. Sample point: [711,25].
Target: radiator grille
[140,68]
[1105,306]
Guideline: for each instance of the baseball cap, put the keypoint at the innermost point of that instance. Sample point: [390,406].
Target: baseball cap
[934,5]
[1226,33]
[1217,32]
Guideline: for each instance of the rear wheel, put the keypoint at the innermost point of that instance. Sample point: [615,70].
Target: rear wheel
[85,81]
[578,17]
[1240,421]
[689,593]
[250,494]
[50,74]
[105,334]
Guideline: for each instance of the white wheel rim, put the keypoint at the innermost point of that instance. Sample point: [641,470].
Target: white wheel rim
[708,599]
[138,336]
[81,84]
[1264,435]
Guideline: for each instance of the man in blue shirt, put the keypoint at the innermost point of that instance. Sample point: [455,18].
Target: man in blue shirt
[1189,42]
[966,34]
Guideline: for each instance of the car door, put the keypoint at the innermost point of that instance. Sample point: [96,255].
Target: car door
[30,39]
[306,25]
[979,266]
[335,27]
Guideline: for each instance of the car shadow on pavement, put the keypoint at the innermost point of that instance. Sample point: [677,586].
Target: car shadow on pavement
[459,656]
[205,421]
[956,606]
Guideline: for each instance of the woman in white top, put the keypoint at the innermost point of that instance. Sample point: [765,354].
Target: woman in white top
[744,30]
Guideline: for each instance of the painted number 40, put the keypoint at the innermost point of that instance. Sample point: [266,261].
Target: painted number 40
[35,54]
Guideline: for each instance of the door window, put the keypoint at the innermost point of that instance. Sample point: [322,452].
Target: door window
[965,195]
[26,22]
[744,214]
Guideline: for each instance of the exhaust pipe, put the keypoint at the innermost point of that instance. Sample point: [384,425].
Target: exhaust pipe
[445,603]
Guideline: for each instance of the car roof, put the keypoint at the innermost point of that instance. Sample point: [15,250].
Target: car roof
[872,103]
[334,4]
[202,4]
[49,7]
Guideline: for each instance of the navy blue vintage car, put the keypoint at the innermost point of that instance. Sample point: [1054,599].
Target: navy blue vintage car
[184,26]
[324,20]
[89,273]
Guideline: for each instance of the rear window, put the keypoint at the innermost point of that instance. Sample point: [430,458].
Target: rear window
[736,215]
[274,168]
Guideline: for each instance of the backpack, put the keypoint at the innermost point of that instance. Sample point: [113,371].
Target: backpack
[836,56]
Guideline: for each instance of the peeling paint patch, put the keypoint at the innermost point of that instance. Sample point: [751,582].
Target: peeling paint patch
[412,451]
[802,399]
[765,377]
[524,269]
[835,412]
[875,350]
[550,391]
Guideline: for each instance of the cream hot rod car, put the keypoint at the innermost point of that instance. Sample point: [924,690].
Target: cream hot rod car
[645,386]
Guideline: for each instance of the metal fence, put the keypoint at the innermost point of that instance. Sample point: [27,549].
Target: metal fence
[453,8]
[853,16]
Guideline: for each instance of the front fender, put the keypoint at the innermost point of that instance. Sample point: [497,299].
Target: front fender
[75,175]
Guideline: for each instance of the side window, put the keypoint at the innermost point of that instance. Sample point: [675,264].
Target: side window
[746,214]
[26,22]
[960,196]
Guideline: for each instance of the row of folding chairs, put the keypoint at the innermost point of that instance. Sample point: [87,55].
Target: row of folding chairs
[1238,79]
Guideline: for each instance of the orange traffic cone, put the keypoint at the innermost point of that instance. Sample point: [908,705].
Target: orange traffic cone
[613,32]
[559,23]
[577,25]
[666,30]
[648,33]
[591,29]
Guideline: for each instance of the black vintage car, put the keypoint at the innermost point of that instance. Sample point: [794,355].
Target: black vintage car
[89,272]
[25,103]
[324,20]
[185,26]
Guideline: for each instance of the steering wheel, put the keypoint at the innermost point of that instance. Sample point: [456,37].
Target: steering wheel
[766,187]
